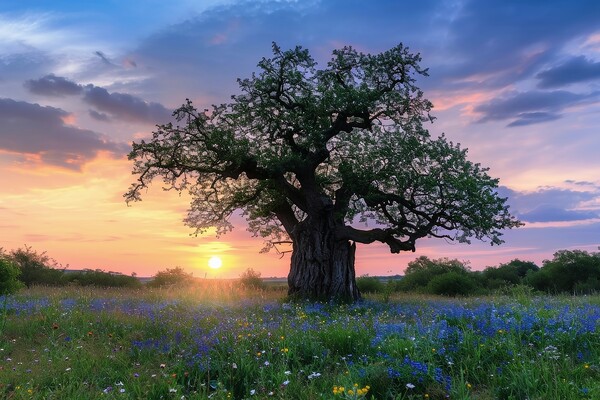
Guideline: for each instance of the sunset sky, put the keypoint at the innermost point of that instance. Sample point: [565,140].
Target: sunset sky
[516,82]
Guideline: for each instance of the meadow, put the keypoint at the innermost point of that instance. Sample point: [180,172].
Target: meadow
[221,342]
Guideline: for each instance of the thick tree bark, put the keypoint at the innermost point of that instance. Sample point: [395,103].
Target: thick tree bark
[322,267]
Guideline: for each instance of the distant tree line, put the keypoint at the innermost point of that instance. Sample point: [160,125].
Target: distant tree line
[28,267]
[569,272]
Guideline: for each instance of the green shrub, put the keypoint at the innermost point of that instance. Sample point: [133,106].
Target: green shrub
[9,277]
[250,279]
[171,277]
[36,268]
[452,284]
[422,270]
[369,284]
[99,278]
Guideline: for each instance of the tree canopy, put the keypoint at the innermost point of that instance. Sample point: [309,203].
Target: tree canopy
[340,150]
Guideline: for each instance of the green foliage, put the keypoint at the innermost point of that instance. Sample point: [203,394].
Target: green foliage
[171,277]
[570,271]
[512,273]
[9,277]
[251,279]
[421,271]
[452,284]
[100,278]
[36,268]
[370,284]
[302,146]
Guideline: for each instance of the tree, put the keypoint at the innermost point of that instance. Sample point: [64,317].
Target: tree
[308,154]
[512,273]
[572,271]
[251,279]
[9,276]
[36,268]
[421,271]
[171,277]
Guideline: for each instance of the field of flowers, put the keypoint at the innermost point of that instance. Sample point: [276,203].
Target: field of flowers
[100,344]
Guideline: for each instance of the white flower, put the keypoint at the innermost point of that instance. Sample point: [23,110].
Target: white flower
[288,372]
[285,383]
[172,390]
[314,375]
[252,392]
[410,386]
[267,363]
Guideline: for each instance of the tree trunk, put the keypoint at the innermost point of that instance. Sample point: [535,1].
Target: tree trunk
[322,268]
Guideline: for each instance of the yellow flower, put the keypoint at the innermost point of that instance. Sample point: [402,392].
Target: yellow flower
[469,386]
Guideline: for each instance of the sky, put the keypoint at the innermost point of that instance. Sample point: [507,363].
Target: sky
[516,82]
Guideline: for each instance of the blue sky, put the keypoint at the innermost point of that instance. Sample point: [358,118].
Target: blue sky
[516,82]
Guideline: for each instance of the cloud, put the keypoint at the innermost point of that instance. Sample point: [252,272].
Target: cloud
[119,105]
[30,129]
[98,116]
[510,40]
[553,204]
[548,213]
[526,108]
[52,85]
[575,70]
[125,106]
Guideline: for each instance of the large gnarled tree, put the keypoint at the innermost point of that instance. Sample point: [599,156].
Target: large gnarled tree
[325,158]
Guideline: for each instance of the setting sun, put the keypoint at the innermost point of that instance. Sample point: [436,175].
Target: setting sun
[215,262]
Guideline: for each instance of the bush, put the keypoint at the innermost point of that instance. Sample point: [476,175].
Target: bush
[9,277]
[101,278]
[452,284]
[250,279]
[369,284]
[423,270]
[36,268]
[171,277]
[575,271]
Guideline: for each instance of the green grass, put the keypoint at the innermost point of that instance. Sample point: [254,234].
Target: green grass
[223,343]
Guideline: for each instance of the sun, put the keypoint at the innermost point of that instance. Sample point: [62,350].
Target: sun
[215,262]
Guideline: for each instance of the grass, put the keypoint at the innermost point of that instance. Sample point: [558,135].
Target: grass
[220,342]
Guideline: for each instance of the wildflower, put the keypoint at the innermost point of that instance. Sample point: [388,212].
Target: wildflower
[469,386]
[162,366]
[172,390]
[288,372]
[267,363]
[314,375]
[252,392]
[410,386]
[108,389]
[122,390]
[285,383]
